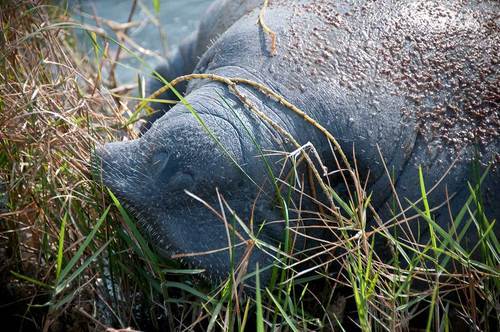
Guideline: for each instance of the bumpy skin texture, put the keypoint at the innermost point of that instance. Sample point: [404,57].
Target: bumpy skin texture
[182,61]
[420,79]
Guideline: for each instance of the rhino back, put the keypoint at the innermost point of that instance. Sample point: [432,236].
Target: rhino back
[417,80]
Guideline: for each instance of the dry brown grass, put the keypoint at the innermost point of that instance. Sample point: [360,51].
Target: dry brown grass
[53,110]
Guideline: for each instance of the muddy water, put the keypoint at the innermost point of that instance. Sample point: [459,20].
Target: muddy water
[176,18]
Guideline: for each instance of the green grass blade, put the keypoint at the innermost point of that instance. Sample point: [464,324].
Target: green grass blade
[64,282]
[215,314]
[77,256]
[182,271]
[482,216]
[31,280]
[283,313]
[431,309]
[60,250]
[188,289]
[143,245]
[423,192]
[258,301]
[156,6]
[427,210]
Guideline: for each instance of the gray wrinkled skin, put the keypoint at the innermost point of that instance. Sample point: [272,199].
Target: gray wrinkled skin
[418,78]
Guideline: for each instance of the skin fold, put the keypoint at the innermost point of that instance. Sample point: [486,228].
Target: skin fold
[416,82]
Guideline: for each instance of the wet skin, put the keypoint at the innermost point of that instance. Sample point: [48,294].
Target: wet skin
[414,81]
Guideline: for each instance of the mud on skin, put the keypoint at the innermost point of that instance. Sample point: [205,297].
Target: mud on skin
[420,79]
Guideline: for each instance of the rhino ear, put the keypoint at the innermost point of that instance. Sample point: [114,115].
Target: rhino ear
[179,62]
[154,84]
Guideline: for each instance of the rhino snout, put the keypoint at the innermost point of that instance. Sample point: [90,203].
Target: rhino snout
[117,165]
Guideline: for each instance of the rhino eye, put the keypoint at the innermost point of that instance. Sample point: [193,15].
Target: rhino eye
[165,165]
[159,162]
[168,172]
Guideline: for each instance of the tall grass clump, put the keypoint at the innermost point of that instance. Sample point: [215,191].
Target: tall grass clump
[73,258]
[69,259]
